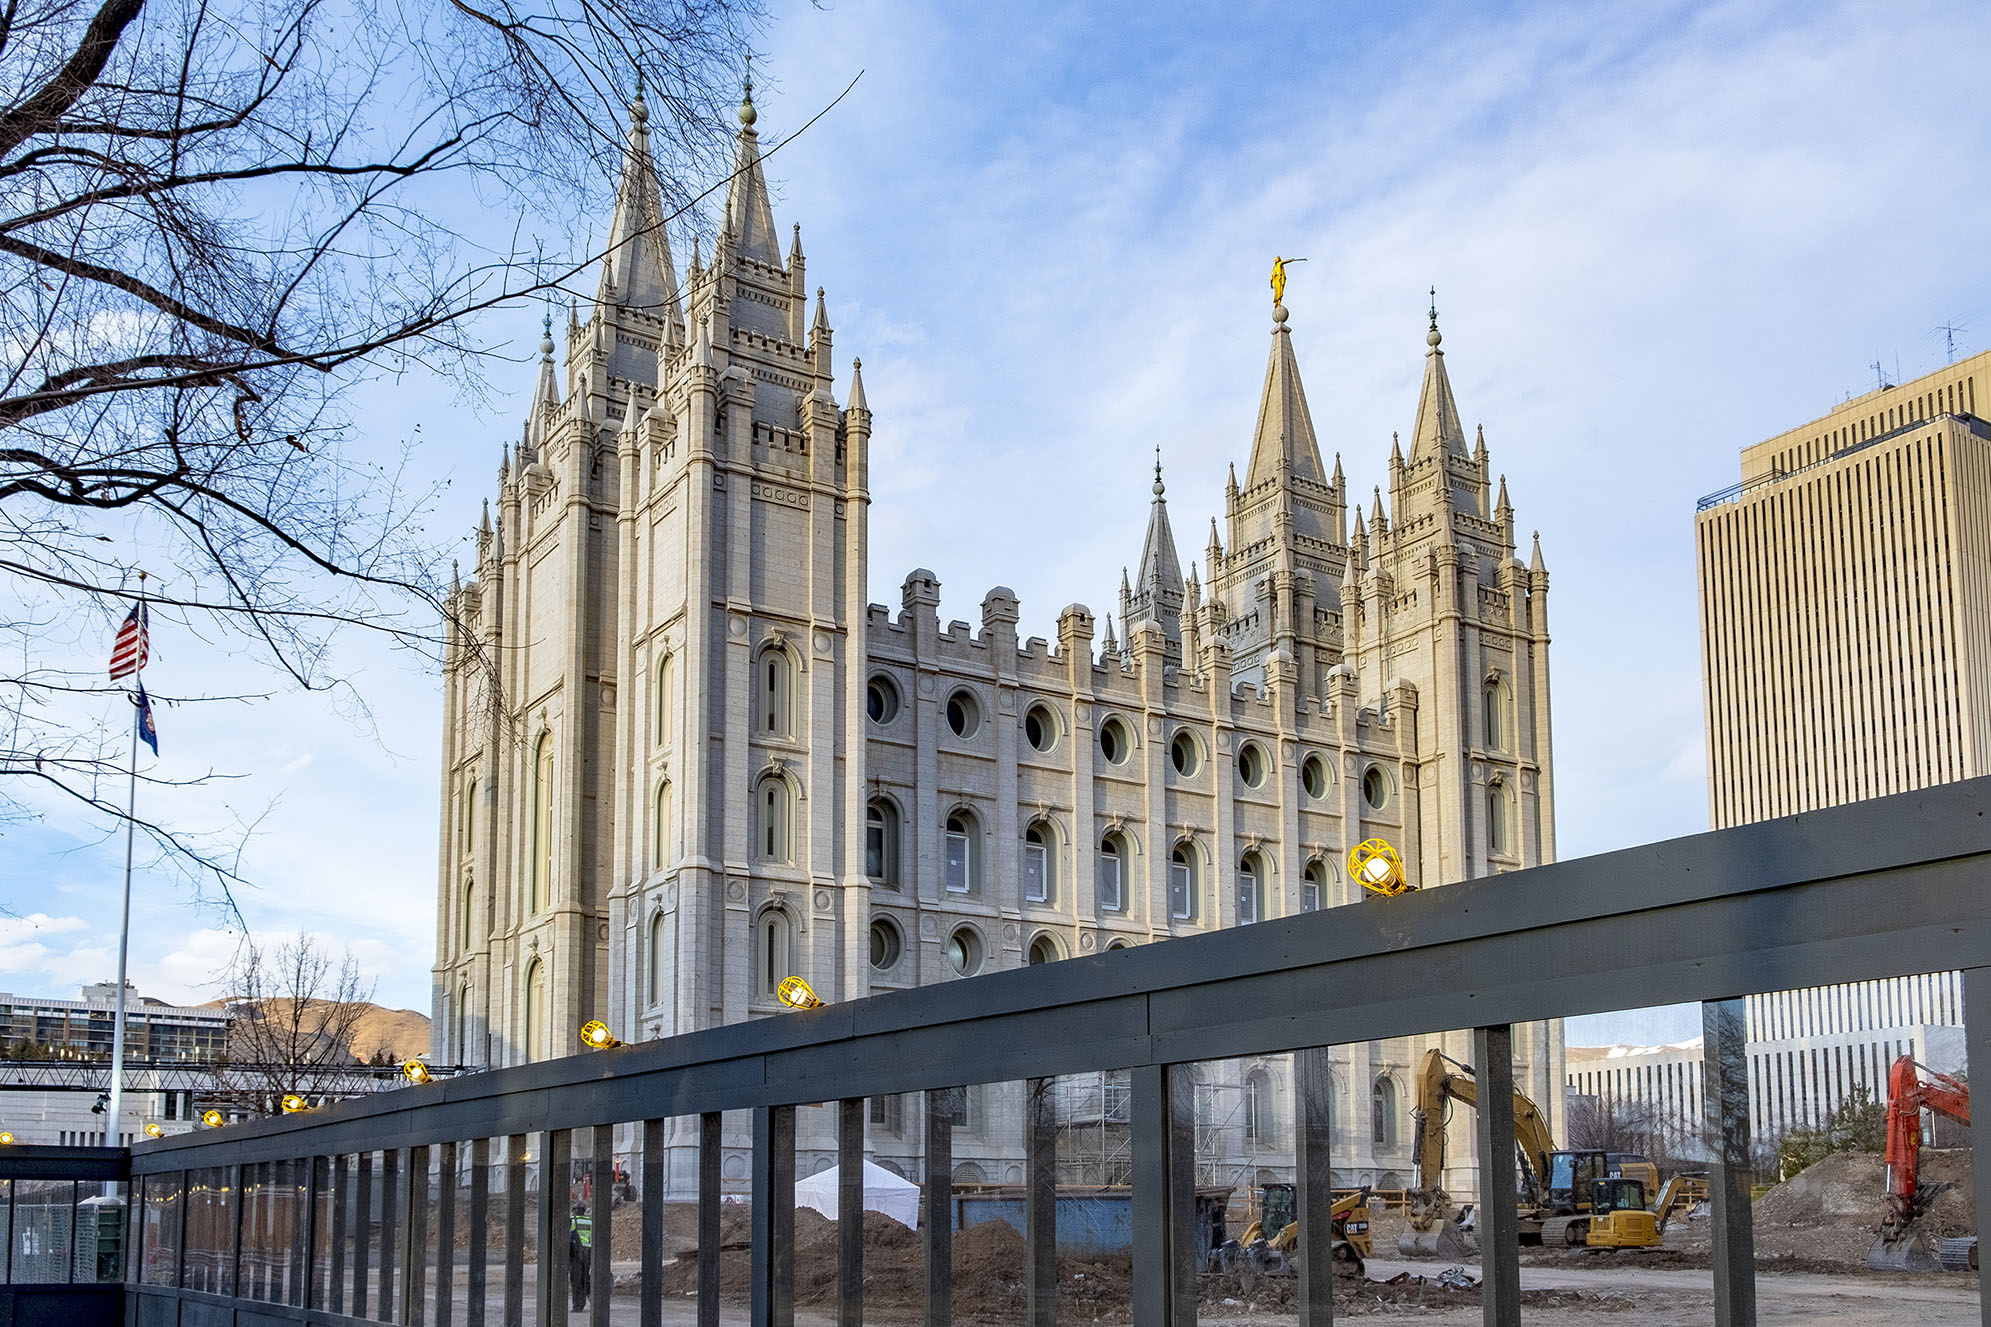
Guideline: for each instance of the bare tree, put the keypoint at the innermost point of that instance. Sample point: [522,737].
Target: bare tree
[218,220]
[1610,1125]
[294,1022]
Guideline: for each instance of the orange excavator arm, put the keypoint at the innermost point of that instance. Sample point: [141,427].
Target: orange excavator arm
[1907,1095]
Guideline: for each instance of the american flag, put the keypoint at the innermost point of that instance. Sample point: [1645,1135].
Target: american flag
[130,651]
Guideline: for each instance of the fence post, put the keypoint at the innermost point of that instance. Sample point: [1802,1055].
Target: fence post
[1977,1051]
[515,1147]
[1040,1217]
[476,1260]
[850,1213]
[556,1177]
[773,1254]
[1313,1185]
[1725,1076]
[336,1291]
[651,1308]
[941,1104]
[362,1215]
[601,1213]
[415,1237]
[390,1232]
[314,1184]
[446,1235]
[710,1138]
[1499,1216]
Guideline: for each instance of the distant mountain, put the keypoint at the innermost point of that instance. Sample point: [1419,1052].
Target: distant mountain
[402,1033]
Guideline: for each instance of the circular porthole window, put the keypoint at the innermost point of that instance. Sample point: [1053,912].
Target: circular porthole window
[1182,753]
[1376,788]
[1040,728]
[886,945]
[1044,950]
[1251,764]
[1313,777]
[964,951]
[881,700]
[1113,741]
[964,715]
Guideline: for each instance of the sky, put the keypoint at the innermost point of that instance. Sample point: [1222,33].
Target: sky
[1657,232]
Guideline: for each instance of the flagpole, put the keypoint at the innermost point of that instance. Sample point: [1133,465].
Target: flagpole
[111,1137]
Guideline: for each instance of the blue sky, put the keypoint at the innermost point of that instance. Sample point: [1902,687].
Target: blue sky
[1658,233]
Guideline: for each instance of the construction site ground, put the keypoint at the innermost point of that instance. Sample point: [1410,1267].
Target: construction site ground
[1812,1236]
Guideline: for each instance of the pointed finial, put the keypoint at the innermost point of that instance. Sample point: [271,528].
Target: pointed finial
[747,112]
[822,313]
[546,333]
[1432,338]
[1233,479]
[639,111]
[1503,504]
[1158,487]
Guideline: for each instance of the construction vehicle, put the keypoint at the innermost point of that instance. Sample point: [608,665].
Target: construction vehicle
[1900,1245]
[1258,1253]
[1564,1185]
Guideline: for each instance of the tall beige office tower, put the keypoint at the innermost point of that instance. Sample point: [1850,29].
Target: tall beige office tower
[1845,590]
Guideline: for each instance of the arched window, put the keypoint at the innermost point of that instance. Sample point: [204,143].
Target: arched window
[542,822]
[660,828]
[534,1040]
[1313,887]
[666,694]
[1496,715]
[1260,1107]
[1183,885]
[774,954]
[1383,1113]
[1044,949]
[774,682]
[469,919]
[463,1024]
[964,852]
[1040,863]
[1499,833]
[470,817]
[776,807]
[1113,872]
[881,842]
[1250,888]
[654,966]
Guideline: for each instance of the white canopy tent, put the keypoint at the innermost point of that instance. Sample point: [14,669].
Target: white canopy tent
[883,1192]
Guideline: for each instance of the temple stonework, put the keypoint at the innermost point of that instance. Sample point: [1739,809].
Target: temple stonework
[684,757]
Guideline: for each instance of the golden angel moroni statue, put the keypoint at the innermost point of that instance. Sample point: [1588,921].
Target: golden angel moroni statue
[1279,278]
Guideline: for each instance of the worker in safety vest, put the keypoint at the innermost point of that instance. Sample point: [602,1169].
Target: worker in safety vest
[580,1255]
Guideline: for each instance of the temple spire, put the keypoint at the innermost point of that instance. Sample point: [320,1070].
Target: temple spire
[1157,592]
[1438,429]
[749,217]
[1285,441]
[546,392]
[637,270]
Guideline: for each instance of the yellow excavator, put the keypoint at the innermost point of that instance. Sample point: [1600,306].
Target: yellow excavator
[1575,1196]
[1273,1254]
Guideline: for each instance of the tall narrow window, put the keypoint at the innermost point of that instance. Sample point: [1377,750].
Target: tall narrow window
[1259,1105]
[775,953]
[777,835]
[660,832]
[961,864]
[470,818]
[1182,883]
[1039,861]
[1250,888]
[1382,1114]
[1112,873]
[1313,887]
[542,822]
[534,1040]
[1499,834]
[666,692]
[776,686]
[463,1024]
[1496,716]
[881,842]
[469,915]
[659,936]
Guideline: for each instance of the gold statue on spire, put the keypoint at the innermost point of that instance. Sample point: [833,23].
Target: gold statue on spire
[1279,278]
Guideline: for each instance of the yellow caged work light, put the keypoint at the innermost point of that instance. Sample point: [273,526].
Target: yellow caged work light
[292,1103]
[595,1035]
[213,1119]
[1376,865]
[797,994]
[6,1138]
[415,1071]
[155,1130]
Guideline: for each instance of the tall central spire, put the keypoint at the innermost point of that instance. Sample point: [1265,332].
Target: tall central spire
[1285,442]
[748,214]
[637,271]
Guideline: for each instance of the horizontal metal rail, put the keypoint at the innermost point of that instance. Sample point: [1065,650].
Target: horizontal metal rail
[1882,888]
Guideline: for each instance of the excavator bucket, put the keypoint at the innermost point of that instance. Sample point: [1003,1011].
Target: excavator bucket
[1906,1252]
[1441,1239]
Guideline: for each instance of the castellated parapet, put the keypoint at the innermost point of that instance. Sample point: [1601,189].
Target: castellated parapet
[684,758]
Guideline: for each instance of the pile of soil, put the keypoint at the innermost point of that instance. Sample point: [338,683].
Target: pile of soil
[1825,1217]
